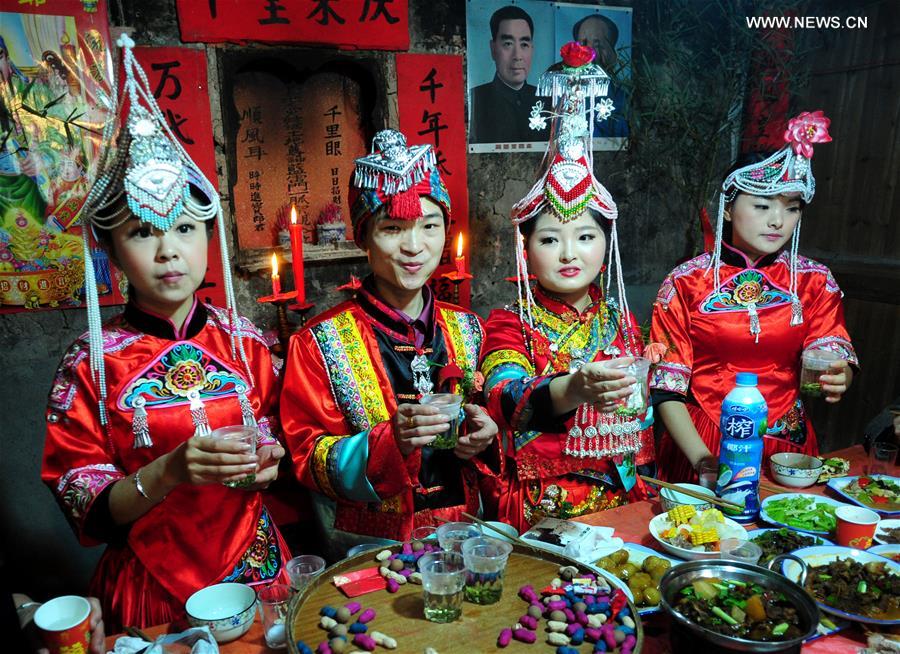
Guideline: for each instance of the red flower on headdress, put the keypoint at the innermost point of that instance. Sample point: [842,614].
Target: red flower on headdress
[575,55]
[806,129]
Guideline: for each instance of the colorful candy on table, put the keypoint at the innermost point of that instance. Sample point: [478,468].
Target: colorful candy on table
[344,635]
[578,608]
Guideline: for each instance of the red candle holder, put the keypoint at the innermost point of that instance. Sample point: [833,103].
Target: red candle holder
[284,328]
[457,278]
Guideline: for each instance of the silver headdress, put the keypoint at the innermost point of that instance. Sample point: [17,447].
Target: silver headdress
[788,171]
[146,174]
[567,186]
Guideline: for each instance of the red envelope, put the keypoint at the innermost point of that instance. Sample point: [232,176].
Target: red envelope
[360,582]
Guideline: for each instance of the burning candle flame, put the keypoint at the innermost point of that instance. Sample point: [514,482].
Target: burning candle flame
[293,215]
[459,245]
[274,266]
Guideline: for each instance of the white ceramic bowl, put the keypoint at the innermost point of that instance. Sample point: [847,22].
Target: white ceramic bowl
[670,499]
[227,609]
[661,523]
[795,470]
[509,532]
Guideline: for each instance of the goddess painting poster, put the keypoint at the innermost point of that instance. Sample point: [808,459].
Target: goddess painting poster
[54,100]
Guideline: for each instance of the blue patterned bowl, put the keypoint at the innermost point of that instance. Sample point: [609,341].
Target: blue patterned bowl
[227,609]
[795,470]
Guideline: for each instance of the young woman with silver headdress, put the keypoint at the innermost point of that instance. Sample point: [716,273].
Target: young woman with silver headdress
[128,451]
[753,304]
[549,358]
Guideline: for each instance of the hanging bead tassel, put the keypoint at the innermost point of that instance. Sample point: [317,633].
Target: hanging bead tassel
[198,415]
[796,312]
[754,320]
[247,417]
[139,425]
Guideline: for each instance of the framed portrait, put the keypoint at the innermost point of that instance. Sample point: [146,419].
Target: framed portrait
[510,43]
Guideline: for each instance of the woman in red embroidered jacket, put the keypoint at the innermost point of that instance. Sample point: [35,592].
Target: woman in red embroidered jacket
[353,377]
[127,451]
[753,305]
[548,364]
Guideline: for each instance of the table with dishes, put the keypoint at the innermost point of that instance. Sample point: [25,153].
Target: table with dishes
[653,562]
[634,524]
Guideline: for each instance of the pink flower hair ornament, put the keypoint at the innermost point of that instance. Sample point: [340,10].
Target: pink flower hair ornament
[806,129]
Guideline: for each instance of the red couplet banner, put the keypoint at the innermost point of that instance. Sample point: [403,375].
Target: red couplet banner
[178,81]
[347,24]
[430,95]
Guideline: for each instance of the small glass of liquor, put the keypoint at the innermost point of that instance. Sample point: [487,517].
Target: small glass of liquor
[443,580]
[485,564]
[242,434]
[815,364]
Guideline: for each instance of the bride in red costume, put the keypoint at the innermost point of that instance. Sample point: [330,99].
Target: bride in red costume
[754,305]
[546,362]
[127,452]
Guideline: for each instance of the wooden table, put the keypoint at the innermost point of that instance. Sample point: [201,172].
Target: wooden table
[630,523]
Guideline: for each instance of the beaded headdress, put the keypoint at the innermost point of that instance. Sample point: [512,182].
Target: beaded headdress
[146,174]
[395,176]
[787,172]
[567,185]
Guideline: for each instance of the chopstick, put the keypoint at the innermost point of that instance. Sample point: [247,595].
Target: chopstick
[776,490]
[712,499]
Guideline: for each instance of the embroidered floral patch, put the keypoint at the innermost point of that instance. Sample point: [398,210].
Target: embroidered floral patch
[745,288]
[181,369]
[262,559]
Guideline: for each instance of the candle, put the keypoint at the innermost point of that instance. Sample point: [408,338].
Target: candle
[276,279]
[460,259]
[297,256]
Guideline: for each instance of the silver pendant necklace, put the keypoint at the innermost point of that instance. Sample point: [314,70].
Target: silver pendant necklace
[421,374]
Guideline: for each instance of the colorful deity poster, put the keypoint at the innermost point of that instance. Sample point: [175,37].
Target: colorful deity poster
[54,101]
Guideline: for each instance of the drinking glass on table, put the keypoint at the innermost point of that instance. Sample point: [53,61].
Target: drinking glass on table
[708,472]
[303,569]
[443,580]
[274,600]
[882,458]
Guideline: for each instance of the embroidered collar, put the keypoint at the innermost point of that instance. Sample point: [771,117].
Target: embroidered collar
[392,321]
[733,257]
[161,327]
[566,311]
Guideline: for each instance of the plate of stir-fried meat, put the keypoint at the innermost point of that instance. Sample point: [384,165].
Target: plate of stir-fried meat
[850,583]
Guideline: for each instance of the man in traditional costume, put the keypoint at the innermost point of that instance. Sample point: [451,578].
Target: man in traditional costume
[354,376]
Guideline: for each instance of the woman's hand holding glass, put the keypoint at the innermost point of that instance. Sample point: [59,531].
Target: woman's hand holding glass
[204,460]
[267,468]
[480,432]
[837,381]
[594,383]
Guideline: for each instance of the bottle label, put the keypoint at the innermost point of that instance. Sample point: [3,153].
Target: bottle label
[743,424]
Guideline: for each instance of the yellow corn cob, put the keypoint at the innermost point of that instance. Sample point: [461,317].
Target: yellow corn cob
[681,514]
[712,515]
[703,536]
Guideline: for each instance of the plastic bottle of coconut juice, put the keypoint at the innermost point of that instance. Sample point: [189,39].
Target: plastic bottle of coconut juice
[743,425]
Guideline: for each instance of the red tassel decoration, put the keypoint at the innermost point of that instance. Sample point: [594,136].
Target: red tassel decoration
[405,205]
